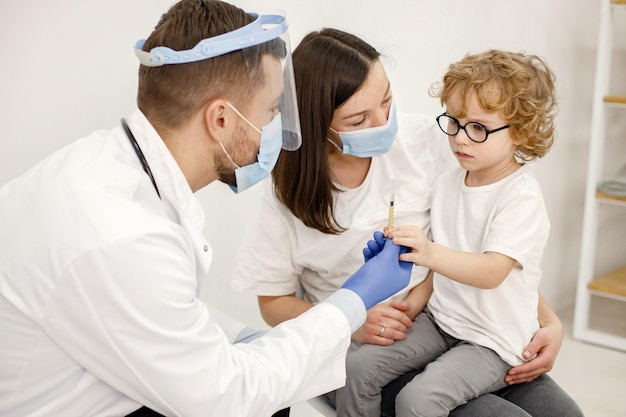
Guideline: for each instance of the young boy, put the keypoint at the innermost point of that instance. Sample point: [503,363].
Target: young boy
[489,228]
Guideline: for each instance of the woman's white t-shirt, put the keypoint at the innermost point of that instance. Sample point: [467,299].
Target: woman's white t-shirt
[280,255]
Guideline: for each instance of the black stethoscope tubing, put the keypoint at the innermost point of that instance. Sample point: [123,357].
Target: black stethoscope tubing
[140,155]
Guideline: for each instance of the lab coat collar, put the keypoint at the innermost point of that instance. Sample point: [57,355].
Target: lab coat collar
[175,191]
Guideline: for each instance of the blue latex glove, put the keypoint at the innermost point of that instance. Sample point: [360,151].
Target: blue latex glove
[375,246]
[382,275]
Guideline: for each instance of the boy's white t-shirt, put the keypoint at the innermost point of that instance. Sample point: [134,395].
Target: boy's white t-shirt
[508,217]
[280,255]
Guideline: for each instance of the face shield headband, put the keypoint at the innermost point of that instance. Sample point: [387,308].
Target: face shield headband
[264,29]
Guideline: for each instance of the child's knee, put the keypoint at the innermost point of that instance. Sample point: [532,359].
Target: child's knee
[418,403]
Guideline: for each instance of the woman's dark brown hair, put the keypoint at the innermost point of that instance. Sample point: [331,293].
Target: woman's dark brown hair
[329,67]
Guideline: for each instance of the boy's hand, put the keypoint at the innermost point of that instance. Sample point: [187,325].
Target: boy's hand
[414,238]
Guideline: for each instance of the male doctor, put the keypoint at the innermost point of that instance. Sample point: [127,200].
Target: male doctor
[101,254]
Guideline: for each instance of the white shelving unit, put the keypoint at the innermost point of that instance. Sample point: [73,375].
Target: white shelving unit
[612,285]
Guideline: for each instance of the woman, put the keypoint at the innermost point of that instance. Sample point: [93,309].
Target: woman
[328,197]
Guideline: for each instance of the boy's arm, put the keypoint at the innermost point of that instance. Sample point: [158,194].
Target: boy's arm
[482,270]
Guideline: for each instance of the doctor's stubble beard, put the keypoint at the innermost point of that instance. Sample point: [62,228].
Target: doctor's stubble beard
[224,167]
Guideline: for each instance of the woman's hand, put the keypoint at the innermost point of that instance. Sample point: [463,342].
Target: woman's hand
[540,353]
[385,323]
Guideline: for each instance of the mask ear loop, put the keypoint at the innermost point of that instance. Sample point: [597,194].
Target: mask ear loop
[244,118]
[339,148]
[247,121]
[228,156]
[334,144]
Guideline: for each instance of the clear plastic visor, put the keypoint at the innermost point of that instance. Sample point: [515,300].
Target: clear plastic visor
[280,48]
[288,107]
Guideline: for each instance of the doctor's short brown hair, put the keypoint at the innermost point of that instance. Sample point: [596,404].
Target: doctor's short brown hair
[170,94]
[519,86]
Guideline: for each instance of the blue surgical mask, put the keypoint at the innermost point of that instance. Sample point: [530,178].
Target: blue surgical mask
[373,141]
[269,149]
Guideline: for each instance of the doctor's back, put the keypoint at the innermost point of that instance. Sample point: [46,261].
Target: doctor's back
[70,207]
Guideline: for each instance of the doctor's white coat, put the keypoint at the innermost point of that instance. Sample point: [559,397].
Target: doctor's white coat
[99,307]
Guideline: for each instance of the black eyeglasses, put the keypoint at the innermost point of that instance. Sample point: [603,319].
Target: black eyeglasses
[475,131]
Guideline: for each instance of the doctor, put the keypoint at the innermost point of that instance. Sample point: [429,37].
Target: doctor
[101,255]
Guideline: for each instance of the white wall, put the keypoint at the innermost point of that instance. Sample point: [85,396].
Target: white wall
[67,68]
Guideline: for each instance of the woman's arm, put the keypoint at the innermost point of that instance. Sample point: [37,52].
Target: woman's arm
[396,316]
[542,350]
[276,309]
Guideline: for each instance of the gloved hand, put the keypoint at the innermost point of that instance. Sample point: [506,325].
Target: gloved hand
[375,246]
[382,275]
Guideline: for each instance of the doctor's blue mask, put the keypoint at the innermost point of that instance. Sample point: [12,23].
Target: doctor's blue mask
[373,141]
[269,149]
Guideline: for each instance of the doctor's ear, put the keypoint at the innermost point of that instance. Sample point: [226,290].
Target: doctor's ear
[218,120]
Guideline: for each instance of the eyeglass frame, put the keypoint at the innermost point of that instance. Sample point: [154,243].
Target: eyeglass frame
[487,131]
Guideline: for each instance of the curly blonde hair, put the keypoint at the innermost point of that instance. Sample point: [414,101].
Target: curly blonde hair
[518,86]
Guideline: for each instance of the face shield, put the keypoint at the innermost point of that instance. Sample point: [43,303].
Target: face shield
[267,34]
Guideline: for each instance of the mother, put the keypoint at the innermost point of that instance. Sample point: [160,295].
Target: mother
[328,197]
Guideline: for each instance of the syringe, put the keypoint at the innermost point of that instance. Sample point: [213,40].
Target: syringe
[391,201]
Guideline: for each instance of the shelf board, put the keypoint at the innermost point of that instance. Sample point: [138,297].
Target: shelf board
[612,284]
[615,99]
[618,1]
[612,198]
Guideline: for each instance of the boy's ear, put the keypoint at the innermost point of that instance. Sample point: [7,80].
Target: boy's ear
[518,141]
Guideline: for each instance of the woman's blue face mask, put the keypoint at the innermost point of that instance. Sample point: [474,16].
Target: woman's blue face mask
[373,141]
[269,149]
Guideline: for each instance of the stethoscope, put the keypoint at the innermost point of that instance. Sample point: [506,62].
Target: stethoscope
[140,155]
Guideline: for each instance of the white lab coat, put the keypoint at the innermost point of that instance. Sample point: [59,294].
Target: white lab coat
[99,307]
